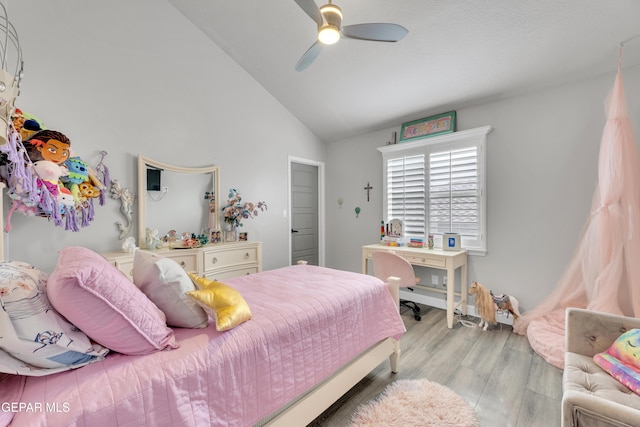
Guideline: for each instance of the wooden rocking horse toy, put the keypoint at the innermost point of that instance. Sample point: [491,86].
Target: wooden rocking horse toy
[488,304]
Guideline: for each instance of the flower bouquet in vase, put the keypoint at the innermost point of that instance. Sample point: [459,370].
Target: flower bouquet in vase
[235,211]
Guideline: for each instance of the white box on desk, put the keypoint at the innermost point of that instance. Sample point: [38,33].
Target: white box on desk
[451,242]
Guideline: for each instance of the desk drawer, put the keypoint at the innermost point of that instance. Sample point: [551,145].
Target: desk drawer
[395,249]
[220,259]
[426,260]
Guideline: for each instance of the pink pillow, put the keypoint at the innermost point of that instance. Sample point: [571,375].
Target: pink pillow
[100,300]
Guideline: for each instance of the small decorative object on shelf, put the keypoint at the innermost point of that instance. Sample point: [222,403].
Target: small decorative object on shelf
[396,228]
[451,242]
[129,245]
[202,238]
[416,242]
[153,239]
[230,234]
[393,233]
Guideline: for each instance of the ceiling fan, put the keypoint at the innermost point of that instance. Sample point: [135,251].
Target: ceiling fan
[330,30]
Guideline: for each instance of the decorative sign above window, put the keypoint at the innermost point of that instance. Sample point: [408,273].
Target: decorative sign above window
[429,126]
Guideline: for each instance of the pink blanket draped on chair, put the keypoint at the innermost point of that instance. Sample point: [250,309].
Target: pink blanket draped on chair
[604,272]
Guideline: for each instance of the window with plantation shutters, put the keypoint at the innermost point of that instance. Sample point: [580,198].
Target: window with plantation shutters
[453,192]
[406,192]
[436,186]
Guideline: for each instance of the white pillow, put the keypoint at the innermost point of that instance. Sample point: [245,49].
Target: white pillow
[36,339]
[165,283]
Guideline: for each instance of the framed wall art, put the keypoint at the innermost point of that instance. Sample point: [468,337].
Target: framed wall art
[429,126]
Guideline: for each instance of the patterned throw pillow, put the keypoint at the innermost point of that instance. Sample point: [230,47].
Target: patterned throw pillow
[622,360]
[36,340]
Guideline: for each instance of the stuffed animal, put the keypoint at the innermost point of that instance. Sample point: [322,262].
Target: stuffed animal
[49,176]
[78,173]
[48,145]
[88,191]
[26,124]
[488,304]
[65,199]
[50,172]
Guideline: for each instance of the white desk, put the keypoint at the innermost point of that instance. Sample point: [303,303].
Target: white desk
[432,258]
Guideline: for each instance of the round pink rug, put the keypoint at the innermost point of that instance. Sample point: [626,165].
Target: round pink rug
[421,403]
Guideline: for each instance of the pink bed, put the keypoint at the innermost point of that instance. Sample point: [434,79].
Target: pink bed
[307,323]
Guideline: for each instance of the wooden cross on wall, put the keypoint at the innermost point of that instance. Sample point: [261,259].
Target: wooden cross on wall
[368,188]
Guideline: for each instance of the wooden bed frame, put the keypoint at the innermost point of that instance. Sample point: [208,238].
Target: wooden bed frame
[307,407]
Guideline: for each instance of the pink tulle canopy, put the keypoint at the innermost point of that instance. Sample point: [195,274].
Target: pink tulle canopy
[604,272]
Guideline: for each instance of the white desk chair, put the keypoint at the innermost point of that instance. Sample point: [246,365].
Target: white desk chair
[388,264]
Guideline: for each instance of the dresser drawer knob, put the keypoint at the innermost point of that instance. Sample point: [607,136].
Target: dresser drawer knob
[214,260]
[246,255]
[183,264]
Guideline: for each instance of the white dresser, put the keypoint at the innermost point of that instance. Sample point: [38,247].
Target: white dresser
[216,262]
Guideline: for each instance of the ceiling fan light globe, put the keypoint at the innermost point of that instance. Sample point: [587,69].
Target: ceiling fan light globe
[329,34]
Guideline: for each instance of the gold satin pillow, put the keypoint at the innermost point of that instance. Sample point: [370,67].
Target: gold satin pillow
[223,303]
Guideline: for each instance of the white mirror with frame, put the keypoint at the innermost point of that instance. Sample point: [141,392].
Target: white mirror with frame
[184,199]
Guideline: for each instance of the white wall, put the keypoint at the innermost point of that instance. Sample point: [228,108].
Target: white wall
[542,170]
[137,77]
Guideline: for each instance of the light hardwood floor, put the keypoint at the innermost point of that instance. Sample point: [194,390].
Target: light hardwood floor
[496,371]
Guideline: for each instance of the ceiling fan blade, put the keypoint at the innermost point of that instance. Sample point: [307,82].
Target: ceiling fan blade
[309,56]
[310,8]
[375,32]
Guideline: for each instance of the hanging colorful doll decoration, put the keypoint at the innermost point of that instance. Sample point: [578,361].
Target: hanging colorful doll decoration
[45,178]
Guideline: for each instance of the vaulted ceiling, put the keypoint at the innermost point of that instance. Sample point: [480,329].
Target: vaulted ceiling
[458,53]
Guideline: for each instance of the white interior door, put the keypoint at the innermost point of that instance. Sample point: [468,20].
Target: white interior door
[305,213]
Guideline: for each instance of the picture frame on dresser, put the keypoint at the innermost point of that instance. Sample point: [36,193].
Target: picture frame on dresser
[230,236]
[216,237]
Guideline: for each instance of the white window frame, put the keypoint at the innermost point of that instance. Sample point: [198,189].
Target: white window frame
[474,137]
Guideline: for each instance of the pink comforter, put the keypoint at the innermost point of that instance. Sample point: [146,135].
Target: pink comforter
[307,322]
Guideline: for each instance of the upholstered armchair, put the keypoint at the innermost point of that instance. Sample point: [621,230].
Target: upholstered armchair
[591,397]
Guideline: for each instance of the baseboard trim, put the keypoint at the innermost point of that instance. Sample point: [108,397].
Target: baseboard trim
[501,317]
